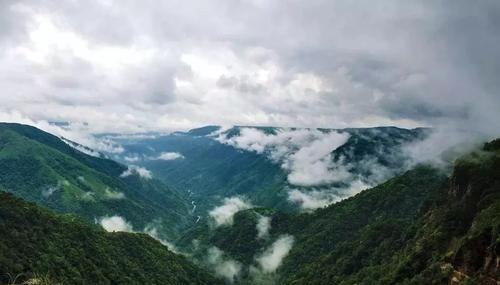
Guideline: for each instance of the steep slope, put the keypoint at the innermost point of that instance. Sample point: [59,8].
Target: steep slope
[36,242]
[41,168]
[418,228]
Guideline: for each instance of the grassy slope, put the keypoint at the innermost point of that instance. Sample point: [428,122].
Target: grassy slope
[34,240]
[41,168]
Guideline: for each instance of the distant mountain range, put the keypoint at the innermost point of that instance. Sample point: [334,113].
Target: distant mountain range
[212,163]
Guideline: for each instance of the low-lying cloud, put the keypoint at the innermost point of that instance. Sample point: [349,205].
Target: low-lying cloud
[115,224]
[222,265]
[263,226]
[48,191]
[304,153]
[272,257]
[169,156]
[152,231]
[223,215]
[113,195]
[137,170]
[313,199]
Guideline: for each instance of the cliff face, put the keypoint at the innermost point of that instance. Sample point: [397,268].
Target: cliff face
[475,187]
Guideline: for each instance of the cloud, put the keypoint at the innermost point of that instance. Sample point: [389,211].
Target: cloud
[115,224]
[223,266]
[132,158]
[272,257]
[223,215]
[263,226]
[152,231]
[304,153]
[48,191]
[312,199]
[443,145]
[88,196]
[51,189]
[137,170]
[113,195]
[130,67]
[169,156]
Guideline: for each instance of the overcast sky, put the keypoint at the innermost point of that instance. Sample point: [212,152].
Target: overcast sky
[128,66]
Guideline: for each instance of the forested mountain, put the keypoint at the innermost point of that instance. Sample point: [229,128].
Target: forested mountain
[40,167]
[422,227]
[212,163]
[37,245]
[426,225]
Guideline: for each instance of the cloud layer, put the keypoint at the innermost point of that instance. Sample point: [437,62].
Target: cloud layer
[131,66]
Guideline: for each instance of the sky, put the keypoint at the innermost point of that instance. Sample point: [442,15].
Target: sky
[135,66]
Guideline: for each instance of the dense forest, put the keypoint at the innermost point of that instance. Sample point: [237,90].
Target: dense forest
[40,167]
[427,225]
[35,242]
[422,227]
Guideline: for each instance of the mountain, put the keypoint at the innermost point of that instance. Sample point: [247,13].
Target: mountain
[421,227]
[39,245]
[40,167]
[263,164]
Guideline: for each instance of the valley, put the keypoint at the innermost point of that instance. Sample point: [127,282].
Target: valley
[232,234]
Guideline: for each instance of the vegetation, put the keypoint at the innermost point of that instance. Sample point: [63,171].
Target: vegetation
[66,249]
[41,168]
[418,228]
[421,227]
[211,170]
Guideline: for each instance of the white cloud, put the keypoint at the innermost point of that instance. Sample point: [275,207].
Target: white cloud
[88,196]
[115,224]
[272,257]
[263,226]
[113,195]
[132,158]
[137,170]
[152,231]
[154,66]
[223,215]
[313,199]
[304,153]
[48,191]
[169,156]
[223,266]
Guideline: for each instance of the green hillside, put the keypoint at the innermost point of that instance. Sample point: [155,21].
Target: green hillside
[35,242]
[421,227]
[41,168]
